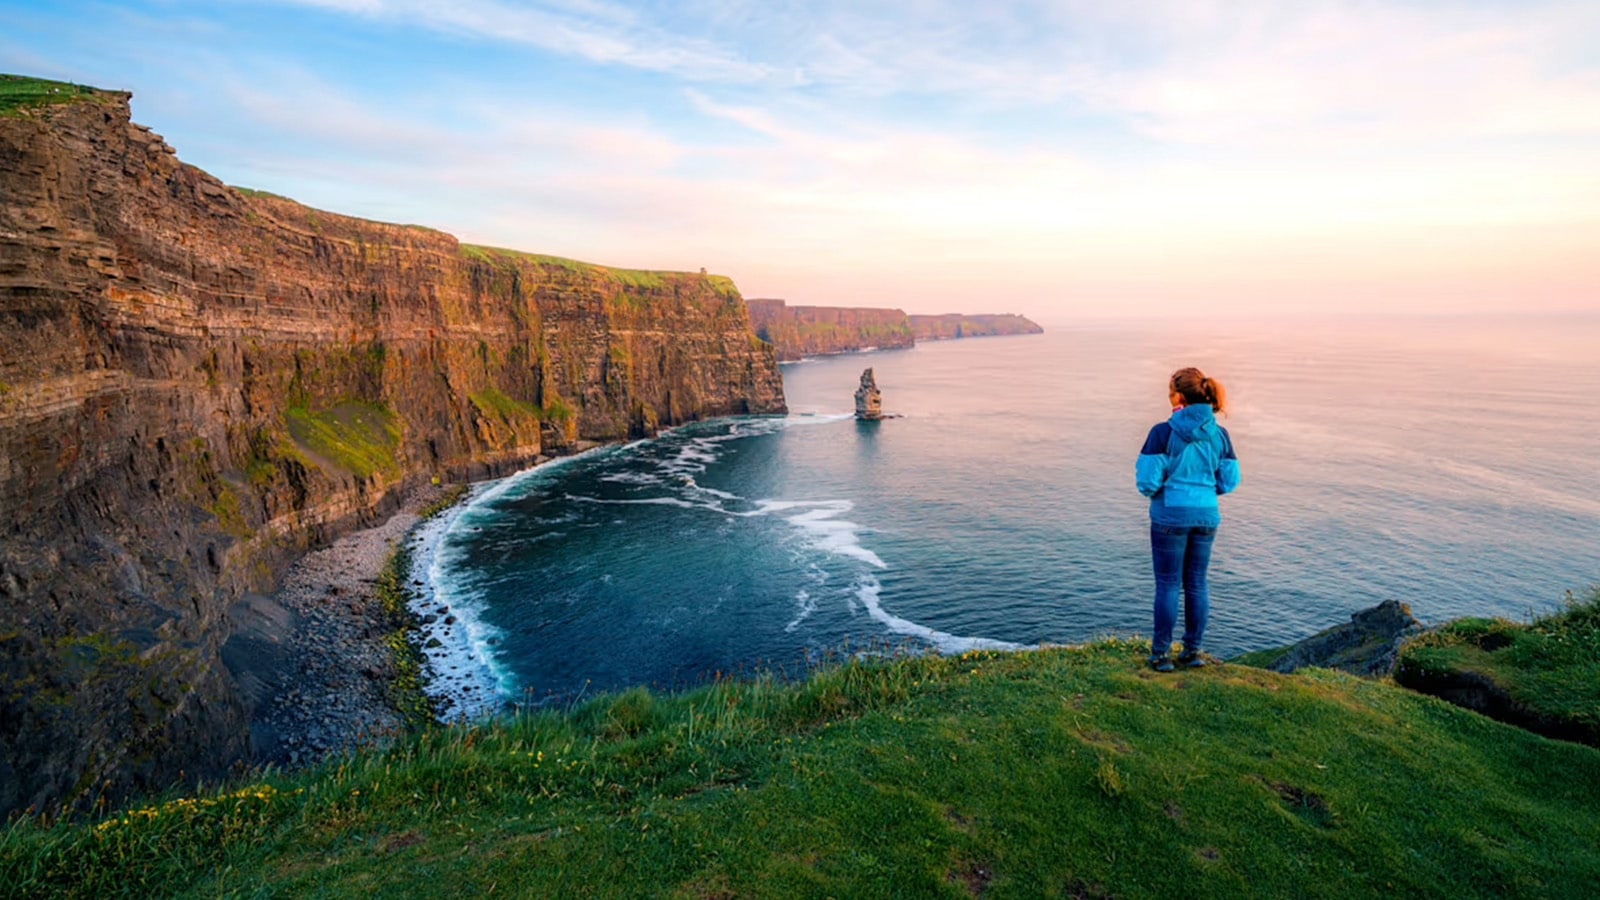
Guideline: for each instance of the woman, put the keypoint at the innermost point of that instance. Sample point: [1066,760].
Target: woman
[1186,464]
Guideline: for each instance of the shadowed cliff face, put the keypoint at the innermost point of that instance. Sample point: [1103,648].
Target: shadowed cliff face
[197,383]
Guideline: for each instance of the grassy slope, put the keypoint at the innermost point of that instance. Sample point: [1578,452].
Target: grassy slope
[359,437]
[1549,668]
[1059,773]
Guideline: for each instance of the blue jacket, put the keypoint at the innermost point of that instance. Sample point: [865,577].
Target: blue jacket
[1187,463]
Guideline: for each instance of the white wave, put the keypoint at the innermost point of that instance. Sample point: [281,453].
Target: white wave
[640,501]
[807,606]
[721,495]
[639,478]
[867,591]
[825,531]
[461,667]
[520,484]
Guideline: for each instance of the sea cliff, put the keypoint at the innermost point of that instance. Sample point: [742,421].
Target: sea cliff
[956,325]
[801,331]
[199,383]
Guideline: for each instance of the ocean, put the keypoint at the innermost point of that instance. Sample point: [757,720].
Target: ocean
[1449,463]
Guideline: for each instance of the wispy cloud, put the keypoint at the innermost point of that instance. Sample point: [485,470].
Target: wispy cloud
[597,32]
[1191,71]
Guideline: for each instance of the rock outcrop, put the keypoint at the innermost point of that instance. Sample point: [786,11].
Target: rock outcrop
[955,326]
[869,401]
[801,331]
[1368,646]
[198,383]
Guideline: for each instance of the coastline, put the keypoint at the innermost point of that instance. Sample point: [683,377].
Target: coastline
[312,658]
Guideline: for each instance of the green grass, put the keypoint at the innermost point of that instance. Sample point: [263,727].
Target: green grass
[358,437]
[1261,659]
[405,688]
[252,192]
[406,692]
[1065,773]
[230,515]
[556,409]
[640,279]
[491,401]
[1549,669]
[19,92]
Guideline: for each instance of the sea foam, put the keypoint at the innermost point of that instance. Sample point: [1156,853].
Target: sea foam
[867,590]
[463,676]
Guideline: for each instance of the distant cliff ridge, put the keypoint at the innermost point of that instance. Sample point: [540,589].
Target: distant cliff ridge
[197,383]
[951,327]
[801,331]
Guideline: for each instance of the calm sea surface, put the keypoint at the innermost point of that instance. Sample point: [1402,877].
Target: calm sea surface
[1450,464]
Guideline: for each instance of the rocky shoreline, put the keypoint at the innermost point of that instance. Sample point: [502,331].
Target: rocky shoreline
[312,658]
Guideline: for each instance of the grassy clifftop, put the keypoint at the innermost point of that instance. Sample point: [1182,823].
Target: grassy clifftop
[20,92]
[1069,772]
[644,279]
[1543,675]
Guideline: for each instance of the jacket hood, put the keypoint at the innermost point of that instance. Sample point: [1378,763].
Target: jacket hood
[1192,419]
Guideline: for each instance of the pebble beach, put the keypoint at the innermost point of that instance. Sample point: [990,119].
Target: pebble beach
[325,690]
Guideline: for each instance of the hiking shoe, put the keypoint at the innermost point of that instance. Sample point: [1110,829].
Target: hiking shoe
[1191,660]
[1161,663]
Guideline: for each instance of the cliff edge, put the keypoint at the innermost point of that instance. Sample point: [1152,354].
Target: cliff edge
[198,383]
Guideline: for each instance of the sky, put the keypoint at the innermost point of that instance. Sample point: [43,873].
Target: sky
[1063,160]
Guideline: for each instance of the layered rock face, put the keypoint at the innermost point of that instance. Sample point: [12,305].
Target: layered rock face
[197,384]
[955,325]
[801,331]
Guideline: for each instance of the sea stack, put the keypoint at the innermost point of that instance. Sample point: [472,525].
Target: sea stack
[869,402]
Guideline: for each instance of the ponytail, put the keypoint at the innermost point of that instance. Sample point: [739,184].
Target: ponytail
[1195,387]
[1217,396]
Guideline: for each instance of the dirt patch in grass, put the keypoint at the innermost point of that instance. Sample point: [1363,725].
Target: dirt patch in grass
[973,877]
[1309,807]
[394,843]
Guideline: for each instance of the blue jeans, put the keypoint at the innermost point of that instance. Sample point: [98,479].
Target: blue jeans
[1181,555]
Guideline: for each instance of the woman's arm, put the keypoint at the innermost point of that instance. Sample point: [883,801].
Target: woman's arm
[1228,466]
[1150,471]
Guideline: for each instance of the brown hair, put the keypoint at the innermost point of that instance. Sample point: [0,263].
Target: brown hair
[1193,385]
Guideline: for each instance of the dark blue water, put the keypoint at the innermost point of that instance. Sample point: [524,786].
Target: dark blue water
[1448,464]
